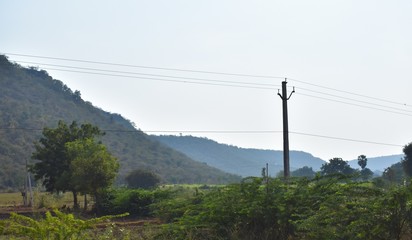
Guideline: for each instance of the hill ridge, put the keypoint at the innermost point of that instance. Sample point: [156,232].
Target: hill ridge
[31,99]
[250,161]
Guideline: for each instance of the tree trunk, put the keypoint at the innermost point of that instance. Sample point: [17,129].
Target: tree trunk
[75,203]
[85,202]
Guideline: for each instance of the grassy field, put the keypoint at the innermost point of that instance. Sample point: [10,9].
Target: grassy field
[41,199]
[10,199]
[47,200]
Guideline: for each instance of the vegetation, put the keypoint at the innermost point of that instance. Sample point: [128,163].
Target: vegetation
[338,202]
[336,166]
[31,100]
[60,152]
[303,172]
[140,178]
[93,167]
[56,225]
[137,202]
[407,160]
[323,208]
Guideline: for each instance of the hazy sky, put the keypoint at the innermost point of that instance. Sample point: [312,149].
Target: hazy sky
[343,57]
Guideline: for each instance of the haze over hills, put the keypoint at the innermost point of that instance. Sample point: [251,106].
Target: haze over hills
[232,159]
[30,100]
[249,162]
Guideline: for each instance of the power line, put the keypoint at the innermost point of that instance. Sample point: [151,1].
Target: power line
[354,104]
[164,80]
[356,100]
[347,139]
[216,81]
[147,67]
[222,131]
[248,85]
[152,75]
[351,93]
[206,72]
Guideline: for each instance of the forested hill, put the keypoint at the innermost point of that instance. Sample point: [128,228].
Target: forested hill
[30,100]
[245,162]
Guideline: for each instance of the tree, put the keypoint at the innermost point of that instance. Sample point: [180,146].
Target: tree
[140,178]
[336,166]
[53,166]
[407,160]
[362,161]
[93,167]
[365,172]
[304,172]
[395,173]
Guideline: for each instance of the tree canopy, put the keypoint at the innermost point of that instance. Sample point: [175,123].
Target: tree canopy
[93,167]
[54,166]
[140,178]
[336,166]
[407,159]
[304,172]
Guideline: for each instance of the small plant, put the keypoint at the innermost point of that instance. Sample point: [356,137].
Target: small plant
[56,225]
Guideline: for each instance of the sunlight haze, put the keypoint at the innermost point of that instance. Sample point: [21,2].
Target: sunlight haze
[349,61]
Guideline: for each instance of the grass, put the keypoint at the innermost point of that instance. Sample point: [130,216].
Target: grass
[41,199]
[10,199]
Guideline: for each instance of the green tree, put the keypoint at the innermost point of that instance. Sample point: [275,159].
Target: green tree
[336,166]
[304,172]
[93,168]
[407,160]
[365,172]
[140,178]
[53,166]
[395,173]
[362,161]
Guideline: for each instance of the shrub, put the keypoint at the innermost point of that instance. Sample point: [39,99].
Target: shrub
[57,226]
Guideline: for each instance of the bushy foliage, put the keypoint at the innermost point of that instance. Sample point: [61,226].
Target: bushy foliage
[56,225]
[137,202]
[329,207]
[407,160]
[336,166]
[303,172]
[140,178]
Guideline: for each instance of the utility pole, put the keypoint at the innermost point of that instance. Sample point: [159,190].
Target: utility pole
[285,98]
[267,178]
[29,191]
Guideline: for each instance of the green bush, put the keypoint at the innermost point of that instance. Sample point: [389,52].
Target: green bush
[56,225]
[137,202]
[326,207]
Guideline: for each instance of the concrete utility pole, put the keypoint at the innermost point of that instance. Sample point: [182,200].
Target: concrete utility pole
[28,189]
[285,98]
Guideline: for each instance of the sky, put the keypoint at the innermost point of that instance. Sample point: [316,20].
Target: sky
[164,64]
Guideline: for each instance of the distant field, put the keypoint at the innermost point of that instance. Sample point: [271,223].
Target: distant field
[41,199]
[10,199]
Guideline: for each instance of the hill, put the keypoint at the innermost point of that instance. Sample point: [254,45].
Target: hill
[249,162]
[232,159]
[30,100]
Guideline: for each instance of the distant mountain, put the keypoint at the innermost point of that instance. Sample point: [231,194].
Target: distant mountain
[232,159]
[30,100]
[378,163]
